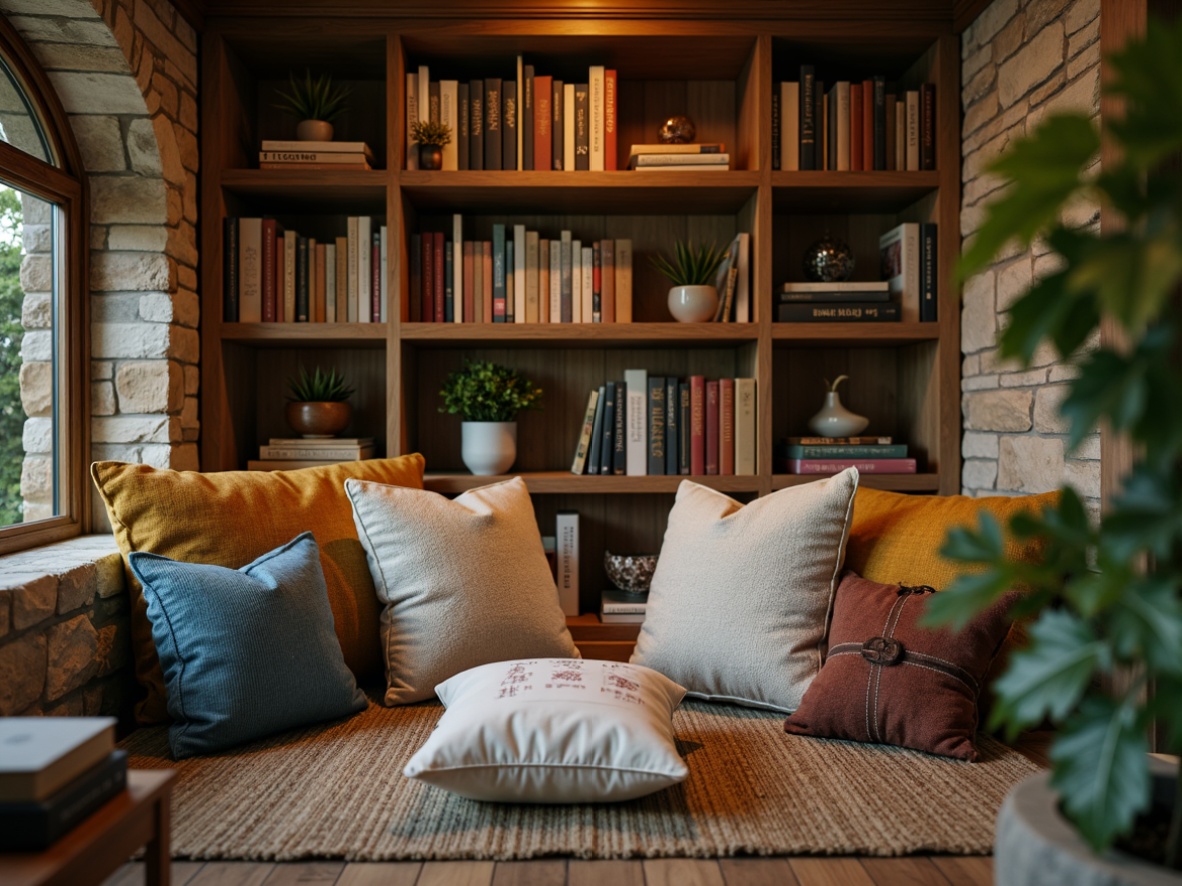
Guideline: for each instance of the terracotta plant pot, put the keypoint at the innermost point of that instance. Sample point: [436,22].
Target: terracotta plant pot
[319,419]
[314,131]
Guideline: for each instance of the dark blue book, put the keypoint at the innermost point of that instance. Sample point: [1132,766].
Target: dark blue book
[672,425]
[608,398]
[656,425]
[595,456]
[230,270]
[33,826]
[619,453]
[928,269]
[498,287]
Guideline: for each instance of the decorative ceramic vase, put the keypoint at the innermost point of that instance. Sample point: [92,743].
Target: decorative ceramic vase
[631,573]
[319,419]
[430,157]
[488,447]
[314,131]
[829,260]
[834,420]
[693,304]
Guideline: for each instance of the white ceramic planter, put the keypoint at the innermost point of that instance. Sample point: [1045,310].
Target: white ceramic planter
[834,420]
[693,304]
[488,447]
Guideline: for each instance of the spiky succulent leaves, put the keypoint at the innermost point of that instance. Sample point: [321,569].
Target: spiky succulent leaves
[486,391]
[313,98]
[431,132]
[318,387]
[694,264]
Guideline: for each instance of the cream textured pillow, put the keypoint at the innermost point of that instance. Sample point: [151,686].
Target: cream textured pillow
[464,581]
[553,730]
[741,594]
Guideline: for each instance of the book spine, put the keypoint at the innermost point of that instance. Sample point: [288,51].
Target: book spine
[486,265]
[927,126]
[912,130]
[672,426]
[568,127]
[449,284]
[376,279]
[509,125]
[457,257]
[520,309]
[230,250]
[545,313]
[280,276]
[510,307]
[842,451]
[412,117]
[330,283]
[837,312]
[498,257]
[819,122]
[449,99]
[841,441]
[492,123]
[587,268]
[341,285]
[656,425]
[532,305]
[250,270]
[712,426]
[463,123]
[437,276]
[726,426]
[878,118]
[527,117]
[637,421]
[891,159]
[864,465]
[856,159]
[582,127]
[476,124]
[776,146]
[576,281]
[683,427]
[566,531]
[478,315]
[619,432]
[697,425]
[582,447]
[302,306]
[610,120]
[595,115]
[831,124]
[595,453]
[364,273]
[270,308]
[345,453]
[557,124]
[543,118]
[329,159]
[607,447]
[790,127]
[351,261]
[745,436]
[427,260]
[519,123]
[554,275]
[433,101]
[27,827]
[316,281]
[597,281]
[566,295]
[868,125]
[928,270]
[607,283]
[469,282]
[808,123]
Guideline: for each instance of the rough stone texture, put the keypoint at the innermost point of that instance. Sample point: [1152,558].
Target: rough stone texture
[1022,60]
[33,599]
[148,387]
[22,661]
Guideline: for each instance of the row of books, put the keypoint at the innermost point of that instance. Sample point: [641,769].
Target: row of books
[292,453]
[519,276]
[534,121]
[853,126]
[663,425]
[273,275]
[315,155]
[823,455]
[907,292]
[54,772]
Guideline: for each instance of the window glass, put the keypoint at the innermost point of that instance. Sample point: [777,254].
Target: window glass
[19,125]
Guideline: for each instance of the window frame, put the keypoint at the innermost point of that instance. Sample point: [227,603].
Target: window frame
[63,185]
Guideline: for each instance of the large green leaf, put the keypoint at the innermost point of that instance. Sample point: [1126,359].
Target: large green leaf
[1049,676]
[1148,74]
[966,596]
[1165,705]
[1109,386]
[1146,624]
[1099,768]
[1048,310]
[1145,515]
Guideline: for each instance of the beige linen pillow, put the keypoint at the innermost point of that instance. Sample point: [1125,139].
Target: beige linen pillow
[464,582]
[741,594]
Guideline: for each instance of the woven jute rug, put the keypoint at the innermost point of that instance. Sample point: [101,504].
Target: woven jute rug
[337,791]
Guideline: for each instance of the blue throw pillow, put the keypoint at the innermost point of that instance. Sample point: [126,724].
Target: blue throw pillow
[245,652]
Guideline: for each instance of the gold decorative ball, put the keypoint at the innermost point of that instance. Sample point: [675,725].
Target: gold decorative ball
[677,130]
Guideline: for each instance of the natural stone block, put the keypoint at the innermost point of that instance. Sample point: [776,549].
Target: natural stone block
[131,429]
[1030,464]
[34,598]
[37,311]
[1031,65]
[63,8]
[975,62]
[1047,419]
[998,410]
[35,510]
[1023,379]
[122,271]
[979,383]
[1013,279]
[1081,95]
[185,458]
[100,141]
[188,111]
[970,365]
[990,21]
[37,346]
[979,473]
[1039,14]
[189,198]
[978,445]
[137,238]
[186,277]
[157,455]
[149,386]
[130,340]
[88,92]
[127,199]
[36,384]
[5,612]
[1084,477]
[1089,448]
[102,369]
[37,273]
[76,587]
[979,85]
[978,319]
[72,656]
[190,154]
[102,398]
[1008,39]
[143,149]
[187,308]
[979,113]
[37,478]
[113,651]
[80,57]
[98,237]
[189,417]
[23,662]
[1082,39]
[182,244]
[186,345]
[192,380]
[167,92]
[36,238]
[59,29]
[1082,12]
[176,206]
[114,307]
[37,435]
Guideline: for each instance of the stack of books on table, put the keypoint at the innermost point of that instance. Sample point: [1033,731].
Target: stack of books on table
[315,155]
[621,607]
[841,302]
[54,772]
[292,453]
[680,158]
[829,455]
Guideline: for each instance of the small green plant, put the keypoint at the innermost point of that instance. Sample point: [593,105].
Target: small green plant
[692,265]
[318,387]
[486,391]
[313,98]
[430,132]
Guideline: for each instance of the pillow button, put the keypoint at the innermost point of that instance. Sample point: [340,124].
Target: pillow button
[884,651]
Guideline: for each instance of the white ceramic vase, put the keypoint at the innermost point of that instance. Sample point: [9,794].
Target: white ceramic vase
[488,447]
[834,420]
[314,131]
[693,304]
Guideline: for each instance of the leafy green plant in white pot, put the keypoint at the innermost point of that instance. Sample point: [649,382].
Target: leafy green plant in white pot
[1104,660]
[488,397]
[693,297]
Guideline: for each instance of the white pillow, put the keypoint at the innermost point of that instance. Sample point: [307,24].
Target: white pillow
[741,595]
[553,730]
[464,581]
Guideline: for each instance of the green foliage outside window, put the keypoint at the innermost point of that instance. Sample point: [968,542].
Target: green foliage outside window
[12,414]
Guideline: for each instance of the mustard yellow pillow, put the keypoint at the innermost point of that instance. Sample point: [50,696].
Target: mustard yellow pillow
[230,519]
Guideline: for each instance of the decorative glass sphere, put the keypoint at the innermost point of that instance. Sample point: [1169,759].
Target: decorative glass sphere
[677,130]
[829,260]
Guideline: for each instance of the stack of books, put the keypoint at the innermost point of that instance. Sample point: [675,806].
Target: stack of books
[315,155]
[54,772]
[824,302]
[680,158]
[829,455]
[620,607]
[293,453]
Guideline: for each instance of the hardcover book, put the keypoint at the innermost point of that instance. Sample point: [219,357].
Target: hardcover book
[583,446]
[726,426]
[842,312]
[607,449]
[636,418]
[898,251]
[620,607]
[712,426]
[745,436]
[672,426]
[492,122]
[476,124]
[41,755]
[656,425]
[864,465]
[697,425]
[34,825]
[595,454]
[928,273]
[567,540]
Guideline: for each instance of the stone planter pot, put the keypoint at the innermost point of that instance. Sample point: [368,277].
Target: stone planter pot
[319,419]
[693,304]
[314,131]
[1036,846]
[488,447]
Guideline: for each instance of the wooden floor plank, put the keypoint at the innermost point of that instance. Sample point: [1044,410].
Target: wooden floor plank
[911,871]
[966,870]
[456,873]
[597,873]
[305,873]
[132,873]
[682,872]
[830,872]
[380,873]
[757,872]
[232,873]
[544,872]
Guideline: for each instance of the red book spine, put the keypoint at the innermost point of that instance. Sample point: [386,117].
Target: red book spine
[697,424]
[864,465]
[856,127]
[428,313]
[375,287]
[279,277]
[726,426]
[712,427]
[868,124]
[268,250]
[437,273]
[469,283]
[610,119]
[543,114]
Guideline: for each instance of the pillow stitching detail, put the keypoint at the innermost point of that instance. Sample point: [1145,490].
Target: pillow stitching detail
[874,677]
[184,726]
[837,565]
[555,765]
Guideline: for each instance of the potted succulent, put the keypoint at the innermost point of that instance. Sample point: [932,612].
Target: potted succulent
[1104,658]
[315,102]
[693,297]
[431,136]
[318,404]
[488,397]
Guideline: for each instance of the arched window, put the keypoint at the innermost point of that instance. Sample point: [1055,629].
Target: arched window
[44,349]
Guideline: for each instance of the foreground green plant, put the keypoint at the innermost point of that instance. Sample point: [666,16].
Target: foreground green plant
[692,265]
[486,391]
[313,98]
[318,387]
[1107,594]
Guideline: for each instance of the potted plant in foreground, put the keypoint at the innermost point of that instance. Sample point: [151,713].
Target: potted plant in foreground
[431,136]
[315,102]
[693,297]
[1104,660]
[318,404]
[488,397]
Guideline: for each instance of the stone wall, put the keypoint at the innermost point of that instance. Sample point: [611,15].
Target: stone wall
[1021,60]
[126,74]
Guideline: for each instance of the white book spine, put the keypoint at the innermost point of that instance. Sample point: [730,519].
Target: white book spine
[745,437]
[364,271]
[449,105]
[576,281]
[595,112]
[790,126]
[424,92]
[330,283]
[457,255]
[566,528]
[412,117]
[555,281]
[588,284]
[520,313]
[912,130]
[531,277]
[568,126]
[385,270]
[250,270]
[635,422]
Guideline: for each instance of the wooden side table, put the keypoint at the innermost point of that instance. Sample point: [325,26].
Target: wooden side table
[96,848]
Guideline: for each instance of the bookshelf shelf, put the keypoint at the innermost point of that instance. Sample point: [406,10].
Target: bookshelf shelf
[580,335]
[878,191]
[314,185]
[853,335]
[564,482]
[335,335]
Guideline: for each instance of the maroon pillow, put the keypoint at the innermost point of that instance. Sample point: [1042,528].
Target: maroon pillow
[888,680]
